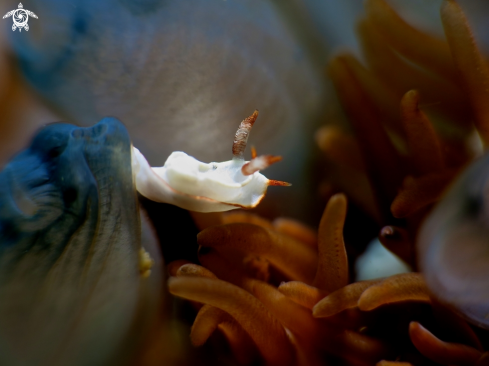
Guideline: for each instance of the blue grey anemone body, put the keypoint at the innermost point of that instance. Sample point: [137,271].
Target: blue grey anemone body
[70,288]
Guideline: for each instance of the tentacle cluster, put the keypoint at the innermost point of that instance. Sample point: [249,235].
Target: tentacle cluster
[413,107]
[283,289]
[281,293]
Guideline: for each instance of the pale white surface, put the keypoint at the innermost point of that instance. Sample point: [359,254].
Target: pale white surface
[377,262]
[193,185]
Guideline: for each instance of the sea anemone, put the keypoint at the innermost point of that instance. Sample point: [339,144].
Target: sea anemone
[404,162]
[277,291]
[278,295]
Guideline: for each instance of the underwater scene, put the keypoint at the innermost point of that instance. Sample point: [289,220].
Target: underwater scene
[244,182]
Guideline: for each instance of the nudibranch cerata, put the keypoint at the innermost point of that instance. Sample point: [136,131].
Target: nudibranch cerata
[188,183]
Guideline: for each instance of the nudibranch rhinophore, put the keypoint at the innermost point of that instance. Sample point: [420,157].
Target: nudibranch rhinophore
[453,245]
[188,183]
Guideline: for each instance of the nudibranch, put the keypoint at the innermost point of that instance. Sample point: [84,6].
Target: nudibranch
[193,185]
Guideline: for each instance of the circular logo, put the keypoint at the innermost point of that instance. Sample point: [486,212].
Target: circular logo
[20,18]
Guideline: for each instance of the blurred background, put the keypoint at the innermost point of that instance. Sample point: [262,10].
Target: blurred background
[181,75]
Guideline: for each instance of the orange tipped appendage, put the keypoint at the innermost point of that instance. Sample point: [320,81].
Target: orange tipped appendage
[253,152]
[259,163]
[279,183]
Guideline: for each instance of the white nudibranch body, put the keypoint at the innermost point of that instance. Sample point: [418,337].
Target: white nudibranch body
[188,183]
[193,185]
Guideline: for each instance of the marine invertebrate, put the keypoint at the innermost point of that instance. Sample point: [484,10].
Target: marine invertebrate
[70,229]
[405,160]
[193,185]
[293,304]
[70,238]
[174,70]
[433,158]
[310,287]
[409,161]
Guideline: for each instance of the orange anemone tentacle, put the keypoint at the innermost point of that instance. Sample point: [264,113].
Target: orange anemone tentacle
[423,144]
[442,352]
[293,316]
[210,318]
[293,258]
[470,63]
[340,147]
[417,193]
[301,293]
[356,347]
[340,342]
[393,363]
[205,323]
[245,217]
[424,49]
[224,268]
[402,287]
[332,271]
[297,230]
[483,360]
[194,270]
[246,309]
[381,158]
[342,299]
[173,267]
[241,344]
[401,76]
